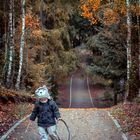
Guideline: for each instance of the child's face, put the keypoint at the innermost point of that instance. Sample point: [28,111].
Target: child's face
[43,100]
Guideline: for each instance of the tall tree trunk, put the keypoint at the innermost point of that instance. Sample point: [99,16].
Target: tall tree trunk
[134,67]
[128,47]
[115,98]
[10,43]
[138,23]
[41,24]
[22,43]
[5,42]
[13,65]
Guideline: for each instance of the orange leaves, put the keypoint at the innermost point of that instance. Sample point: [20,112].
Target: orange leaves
[119,6]
[110,17]
[28,21]
[108,13]
[135,9]
[88,9]
[37,33]
[95,4]
[31,22]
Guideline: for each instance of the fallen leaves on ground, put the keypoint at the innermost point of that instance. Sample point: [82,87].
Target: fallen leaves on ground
[13,106]
[128,115]
[10,113]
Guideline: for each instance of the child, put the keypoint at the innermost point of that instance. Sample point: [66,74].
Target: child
[47,113]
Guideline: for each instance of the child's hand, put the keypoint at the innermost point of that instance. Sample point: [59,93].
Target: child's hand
[57,119]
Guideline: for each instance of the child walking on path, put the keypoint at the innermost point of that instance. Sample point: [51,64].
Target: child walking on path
[47,113]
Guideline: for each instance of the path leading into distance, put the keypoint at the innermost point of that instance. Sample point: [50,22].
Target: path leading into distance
[80,96]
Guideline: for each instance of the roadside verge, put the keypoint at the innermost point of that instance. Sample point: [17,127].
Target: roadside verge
[118,126]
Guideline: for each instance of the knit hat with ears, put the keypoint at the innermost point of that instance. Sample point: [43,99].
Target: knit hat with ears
[42,92]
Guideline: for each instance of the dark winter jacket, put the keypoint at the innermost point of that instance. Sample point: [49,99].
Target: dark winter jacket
[46,113]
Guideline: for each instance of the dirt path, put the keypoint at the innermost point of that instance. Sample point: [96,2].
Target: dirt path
[80,97]
[80,93]
[84,124]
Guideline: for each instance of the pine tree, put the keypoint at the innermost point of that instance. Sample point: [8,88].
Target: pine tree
[109,56]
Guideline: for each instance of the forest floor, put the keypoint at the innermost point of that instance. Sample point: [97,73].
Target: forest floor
[13,107]
[128,115]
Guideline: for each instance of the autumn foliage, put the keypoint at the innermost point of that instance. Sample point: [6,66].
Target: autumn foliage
[89,9]
[106,12]
[110,16]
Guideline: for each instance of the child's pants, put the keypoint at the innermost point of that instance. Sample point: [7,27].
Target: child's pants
[49,131]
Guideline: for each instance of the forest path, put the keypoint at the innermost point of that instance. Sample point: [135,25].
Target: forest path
[84,124]
[79,93]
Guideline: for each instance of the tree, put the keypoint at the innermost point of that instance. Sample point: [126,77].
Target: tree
[10,43]
[22,43]
[109,56]
[113,13]
[133,82]
[128,40]
[42,27]
[138,23]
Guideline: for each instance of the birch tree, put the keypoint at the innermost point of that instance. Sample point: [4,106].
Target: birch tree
[5,40]
[10,42]
[128,41]
[22,43]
